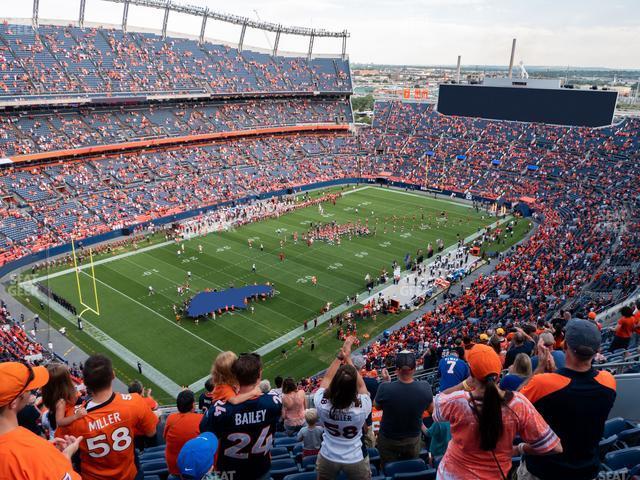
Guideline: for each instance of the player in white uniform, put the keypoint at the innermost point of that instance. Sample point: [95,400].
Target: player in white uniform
[151,292]
[343,405]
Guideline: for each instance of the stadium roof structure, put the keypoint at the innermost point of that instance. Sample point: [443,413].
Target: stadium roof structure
[205,13]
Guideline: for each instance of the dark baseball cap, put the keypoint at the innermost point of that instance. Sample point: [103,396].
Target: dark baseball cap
[405,359]
[582,337]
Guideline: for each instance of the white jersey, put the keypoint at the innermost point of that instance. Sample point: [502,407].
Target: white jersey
[342,439]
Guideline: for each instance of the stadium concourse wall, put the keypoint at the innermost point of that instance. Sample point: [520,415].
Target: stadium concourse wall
[10,266]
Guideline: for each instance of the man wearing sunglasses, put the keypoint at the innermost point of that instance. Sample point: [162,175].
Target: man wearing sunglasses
[24,455]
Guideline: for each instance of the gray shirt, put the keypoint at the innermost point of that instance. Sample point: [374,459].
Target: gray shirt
[402,407]
[311,437]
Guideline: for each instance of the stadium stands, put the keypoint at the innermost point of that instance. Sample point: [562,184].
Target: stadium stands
[583,256]
[96,62]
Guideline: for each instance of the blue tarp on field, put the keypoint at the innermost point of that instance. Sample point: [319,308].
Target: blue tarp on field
[206,302]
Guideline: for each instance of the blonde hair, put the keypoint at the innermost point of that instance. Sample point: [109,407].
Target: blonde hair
[311,416]
[221,369]
[522,365]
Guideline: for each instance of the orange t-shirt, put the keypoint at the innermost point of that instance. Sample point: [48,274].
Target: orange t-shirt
[153,405]
[107,450]
[26,456]
[625,327]
[179,429]
[223,392]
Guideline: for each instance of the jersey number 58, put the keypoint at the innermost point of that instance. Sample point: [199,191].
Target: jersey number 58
[120,440]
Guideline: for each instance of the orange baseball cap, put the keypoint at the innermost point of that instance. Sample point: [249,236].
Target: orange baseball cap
[483,361]
[16,378]
[592,315]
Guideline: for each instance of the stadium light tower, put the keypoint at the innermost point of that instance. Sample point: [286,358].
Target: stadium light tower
[83,3]
[34,18]
[125,15]
[204,25]
[513,52]
[165,21]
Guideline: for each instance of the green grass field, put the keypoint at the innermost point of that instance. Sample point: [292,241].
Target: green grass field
[146,325]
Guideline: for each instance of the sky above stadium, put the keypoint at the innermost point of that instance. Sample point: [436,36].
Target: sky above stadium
[583,33]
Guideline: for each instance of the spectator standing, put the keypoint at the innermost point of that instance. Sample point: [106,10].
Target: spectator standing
[371,382]
[546,342]
[311,434]
[137,387]
[294,403]
[23,454]
[343,404]
[624,330]
[206,397]
[452,369]
[112,422]
[484,422]
[254,421]
[519,372]
[575,401]
[403,404]
[522,343]
[179,428]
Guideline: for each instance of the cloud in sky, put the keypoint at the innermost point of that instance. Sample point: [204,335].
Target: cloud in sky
[549,32]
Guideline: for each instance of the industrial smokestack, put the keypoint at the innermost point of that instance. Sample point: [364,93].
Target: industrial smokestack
[458,70]
[513,53]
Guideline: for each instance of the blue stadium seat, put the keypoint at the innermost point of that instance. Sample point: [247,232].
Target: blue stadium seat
[404,466]
[374,457]
[424,475]
[154,477]
[155,467]
[288,442]
[309,462]
[625,458]
[302,476]
[607,445]
[282,468]
[278,453]
[155,455]
[614,426]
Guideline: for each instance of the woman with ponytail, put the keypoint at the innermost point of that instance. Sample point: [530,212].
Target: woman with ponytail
[484,422]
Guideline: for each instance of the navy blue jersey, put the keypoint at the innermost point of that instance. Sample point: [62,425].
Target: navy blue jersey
[452,371]
[245,433]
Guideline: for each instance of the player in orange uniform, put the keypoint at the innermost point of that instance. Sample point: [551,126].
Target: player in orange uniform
[112,421]
[23,454]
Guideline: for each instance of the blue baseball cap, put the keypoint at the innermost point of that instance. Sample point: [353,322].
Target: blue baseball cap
[196,456]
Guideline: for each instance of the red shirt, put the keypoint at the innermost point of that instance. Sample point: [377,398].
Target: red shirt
[179,429]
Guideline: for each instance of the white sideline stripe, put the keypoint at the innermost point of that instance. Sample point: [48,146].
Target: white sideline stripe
[356,190]
[155,313]
[114,346]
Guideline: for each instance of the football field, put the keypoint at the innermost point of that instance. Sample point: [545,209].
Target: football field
[145,324]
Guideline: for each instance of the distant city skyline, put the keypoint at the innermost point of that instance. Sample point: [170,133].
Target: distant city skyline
[586,33]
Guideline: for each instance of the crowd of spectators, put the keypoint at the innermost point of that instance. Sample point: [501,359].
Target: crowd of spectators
[68,128]
[56,61]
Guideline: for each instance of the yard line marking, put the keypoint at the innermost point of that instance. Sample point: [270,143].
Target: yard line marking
[156,313]
[174,283]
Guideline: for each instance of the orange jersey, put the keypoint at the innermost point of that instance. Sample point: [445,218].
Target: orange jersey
[107,450]
[26,456]
[179,429]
